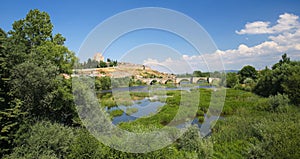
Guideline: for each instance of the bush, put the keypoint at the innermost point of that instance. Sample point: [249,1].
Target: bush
[191,141]
[86,146]
[277,103]
[45,140]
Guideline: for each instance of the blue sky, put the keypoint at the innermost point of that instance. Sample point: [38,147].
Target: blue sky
[223,20]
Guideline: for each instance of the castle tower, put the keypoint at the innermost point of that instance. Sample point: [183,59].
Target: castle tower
[98,57]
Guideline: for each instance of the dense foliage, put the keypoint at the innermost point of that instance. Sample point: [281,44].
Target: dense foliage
[283,78]
[32,61]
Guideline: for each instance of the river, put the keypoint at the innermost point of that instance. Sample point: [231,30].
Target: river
[148,105]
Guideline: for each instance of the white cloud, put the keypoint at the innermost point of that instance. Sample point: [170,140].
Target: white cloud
[258,27]
[169,65]
[286,22]
[284,38]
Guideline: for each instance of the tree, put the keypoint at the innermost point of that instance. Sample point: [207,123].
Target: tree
[34,79]
[102,64]
[284,59]
[3,83]
[87,146]
[283,79]
[265,86]
[34,29]
[231,79]
[247,72]
[45,140]
[59,55]
[197,74]
[291,85]
[32,59]
[102,83]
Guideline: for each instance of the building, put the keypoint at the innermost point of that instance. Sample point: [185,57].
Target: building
[98,57]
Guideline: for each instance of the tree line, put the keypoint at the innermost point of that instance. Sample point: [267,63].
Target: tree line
[91,63]
[282,78]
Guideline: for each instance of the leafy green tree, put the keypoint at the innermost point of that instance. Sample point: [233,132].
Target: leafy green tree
[265,86]
[284,59]
[46,140]
[3,79]
[291,86]
[231,79]
[102,83]
[10,118]
[35,80]
[272,81]
[247,72]
[102,64]
[27,33]
[197,74]
[87,146]
[58,55]
[216,74]
[283,79]
[31,85]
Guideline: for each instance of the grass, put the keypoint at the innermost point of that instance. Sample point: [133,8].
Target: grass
[235,101]
[119,98]
[138,95]
[108,102]
[115,113]
[248,131]
[130,111]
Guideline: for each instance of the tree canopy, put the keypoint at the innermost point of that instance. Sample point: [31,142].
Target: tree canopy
[32,61]
[247,72]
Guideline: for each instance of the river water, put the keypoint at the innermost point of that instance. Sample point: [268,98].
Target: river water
[147,105]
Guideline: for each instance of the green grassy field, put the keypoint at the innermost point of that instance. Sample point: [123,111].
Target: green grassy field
[247,131]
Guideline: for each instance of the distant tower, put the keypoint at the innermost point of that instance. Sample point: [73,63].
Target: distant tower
[98,57]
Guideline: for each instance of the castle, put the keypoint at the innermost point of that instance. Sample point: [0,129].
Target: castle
[98,57]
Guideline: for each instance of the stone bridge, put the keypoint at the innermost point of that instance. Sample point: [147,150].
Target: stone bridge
[178,80]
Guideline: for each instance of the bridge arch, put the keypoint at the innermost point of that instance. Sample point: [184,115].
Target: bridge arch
[201,80]
[214,81]
[153,81]
[184,80]
[168,81]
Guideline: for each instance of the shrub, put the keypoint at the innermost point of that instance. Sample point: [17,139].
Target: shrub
[45,140]
[191,141]
[277,103]
[86,146]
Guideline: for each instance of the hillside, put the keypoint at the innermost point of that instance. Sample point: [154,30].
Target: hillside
[124,70]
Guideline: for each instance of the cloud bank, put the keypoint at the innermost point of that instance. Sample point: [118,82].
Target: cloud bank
[283,37]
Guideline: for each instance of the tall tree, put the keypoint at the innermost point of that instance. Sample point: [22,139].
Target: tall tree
[283,79]
[284,59]
[197,73]
[231,79]
[3,84]
[32,59]
[247,72]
